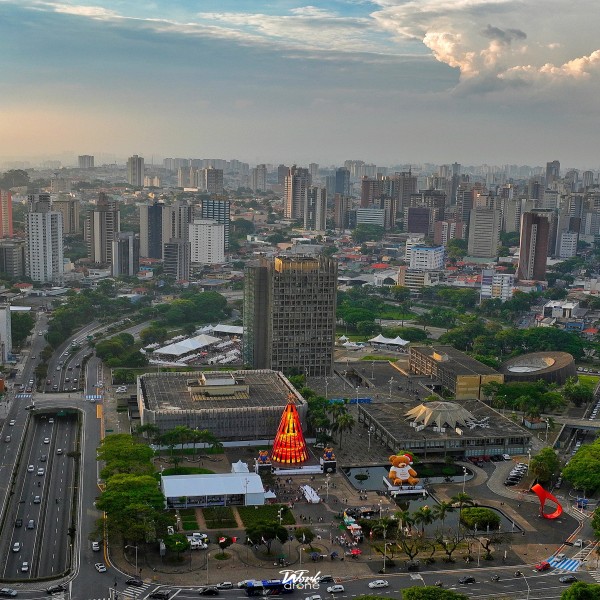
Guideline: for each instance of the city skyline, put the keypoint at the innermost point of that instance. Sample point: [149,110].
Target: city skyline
[388,81]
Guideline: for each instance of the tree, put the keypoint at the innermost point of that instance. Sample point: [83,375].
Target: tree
[582,470]
[122,454]
[22,324]
[176,543]
[345,422]
[424,516]
[545,465]
[367,233]
[441,510]
[479,518]
[577,392]
[305,535]
[449,544]
[457,248]
[581,591]
[266,532]
[224,542]
[431,592]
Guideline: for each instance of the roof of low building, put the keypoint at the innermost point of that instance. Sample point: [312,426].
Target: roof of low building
[218,484]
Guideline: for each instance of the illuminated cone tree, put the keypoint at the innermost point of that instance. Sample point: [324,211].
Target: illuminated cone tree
[289,445]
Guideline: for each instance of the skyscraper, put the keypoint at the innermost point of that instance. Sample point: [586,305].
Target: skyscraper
[315,211]
[125,254]
[5,333]
[535,231]
[207,242]
[342,181]
[297,182]
[213,181]
[44,231]
[12,257]
[289,314]
[219,211]
[70,211]
[484,232]
[85,161]
[177,259]
[341,207]
[176,221]
[103,222]
[552,172]
[135,170]
[151,230]
[258,178]
[6,219]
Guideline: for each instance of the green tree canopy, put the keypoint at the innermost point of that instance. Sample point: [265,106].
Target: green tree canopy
[545,465]
[123,454]
[367,233]
[582,470]
[581,591]
[22,324]
[431,592]
[479,518]
[266,532]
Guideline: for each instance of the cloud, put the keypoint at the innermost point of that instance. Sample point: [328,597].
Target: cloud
[503,36]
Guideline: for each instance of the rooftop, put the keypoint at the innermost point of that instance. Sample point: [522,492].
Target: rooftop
[178,486]
[455,360]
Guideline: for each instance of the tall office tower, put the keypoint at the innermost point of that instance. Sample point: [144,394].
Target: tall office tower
[289,314]
[552,216]
[212,181]
[282,173]
[535,230]
[454,182]
[258,179]
[70,212]
[60,184]
[12,257]
[5,333]
[151,230]
[85,161]
[177,259]
[6,218]
[313,169]
[315,211]
[44,232]
[587,179]
[103,222]
[571,180]
[552,172]
[184,177]
[404,184]
[370,190]
[419,219]
[444,231]
[484,232]
[176,221]
[535,189]
[434,199]
[342,181]
[207,242]
[125,254]
[219,211]
[511,221]
[388,205]
[341,207]
[135,170]
[297,182]
[169,164]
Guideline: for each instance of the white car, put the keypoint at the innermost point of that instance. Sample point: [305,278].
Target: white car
[16,547]
[11,422]
[335,589]
[25,567]
[46,440]
[378,583]
[30,469]
[100,567]
[96,546]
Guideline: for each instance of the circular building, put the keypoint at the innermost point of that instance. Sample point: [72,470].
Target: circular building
[554,367]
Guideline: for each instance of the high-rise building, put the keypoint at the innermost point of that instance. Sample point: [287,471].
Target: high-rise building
[207,241]
[484,232]
[12,257]
[587,179]
[370,190]
[444,231]
[6,218]
[404,184]
[135,170]
[44,231]
[341,207]
[315,211]
[103,222]
[125,254]
[151,230]
[533,252]
[496,285]
[219,211]
[297,182]
[5,333]
[177,259]
[69,208]
[313,169]
[176,221]
[213,181]
[85,161]
[289,314]
[552,172]
[419,219]
[342,181]
[60,184]
[258,178]
[282,173]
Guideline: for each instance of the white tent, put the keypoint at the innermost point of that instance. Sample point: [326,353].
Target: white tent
[343,338]
[187,346]
[397,341]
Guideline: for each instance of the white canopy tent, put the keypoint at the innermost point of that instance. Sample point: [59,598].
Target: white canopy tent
[397,341]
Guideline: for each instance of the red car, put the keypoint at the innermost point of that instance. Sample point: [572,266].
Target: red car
[542,566]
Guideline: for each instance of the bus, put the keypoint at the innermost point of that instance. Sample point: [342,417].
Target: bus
[269,587]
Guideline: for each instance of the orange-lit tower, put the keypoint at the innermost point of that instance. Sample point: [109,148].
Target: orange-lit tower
[289,445]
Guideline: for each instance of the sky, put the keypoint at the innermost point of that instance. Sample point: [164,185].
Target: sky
[385,81]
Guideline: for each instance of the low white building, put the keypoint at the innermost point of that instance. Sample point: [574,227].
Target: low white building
[496,285]
[220,489]
[428,258]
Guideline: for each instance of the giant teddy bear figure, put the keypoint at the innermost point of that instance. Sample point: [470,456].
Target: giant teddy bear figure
[401,472]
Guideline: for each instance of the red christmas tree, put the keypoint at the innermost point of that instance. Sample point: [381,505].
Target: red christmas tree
[289,445]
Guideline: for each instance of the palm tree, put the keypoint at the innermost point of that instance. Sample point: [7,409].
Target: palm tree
[423,516]
[441,510]
[345,422]
[406,520]
[461,499]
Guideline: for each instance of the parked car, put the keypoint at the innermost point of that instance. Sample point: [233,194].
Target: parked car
[335,589]
[7,593]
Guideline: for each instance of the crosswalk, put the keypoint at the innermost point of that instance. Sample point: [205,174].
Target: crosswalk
[595,575]
[129,592]
[567,565]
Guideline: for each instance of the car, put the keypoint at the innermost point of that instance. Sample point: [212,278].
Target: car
[75,380]
[51,420]
[46,440]
[43,458]
[96,546]
[67,379]
[7,438]
[37,499]
[208,591]
[578,543]
[542,566]
[225,585]
[506,456]
[16,547]
[335,589]
[29,389]
[55,387]
[100,567]
[466,580]
[77,366]
[567,579]
[137,581]
[41,471]
[30,469]
[56,589]
[31,524]
[325,579]
[243,584]
[19,523]
[25,567]
[314,597]
[59,451]
[12,422]
[7,593]
[161,594]
[378,583]
[48,382]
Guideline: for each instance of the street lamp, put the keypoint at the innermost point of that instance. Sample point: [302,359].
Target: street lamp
[464,478]
[384,541]
[356,395]
[326,388]
[280,515]
[529,459]
[547,428]
[369,432]
[136,558]
[527,584]
[391,382]
[327,478]
[372,368]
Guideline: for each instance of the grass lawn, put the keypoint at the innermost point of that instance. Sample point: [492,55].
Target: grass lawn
[379,357]
[219,517]
[588,380]
[187,471]
[269,512]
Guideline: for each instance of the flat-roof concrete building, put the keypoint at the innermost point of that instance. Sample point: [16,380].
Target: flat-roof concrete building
[233,405]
